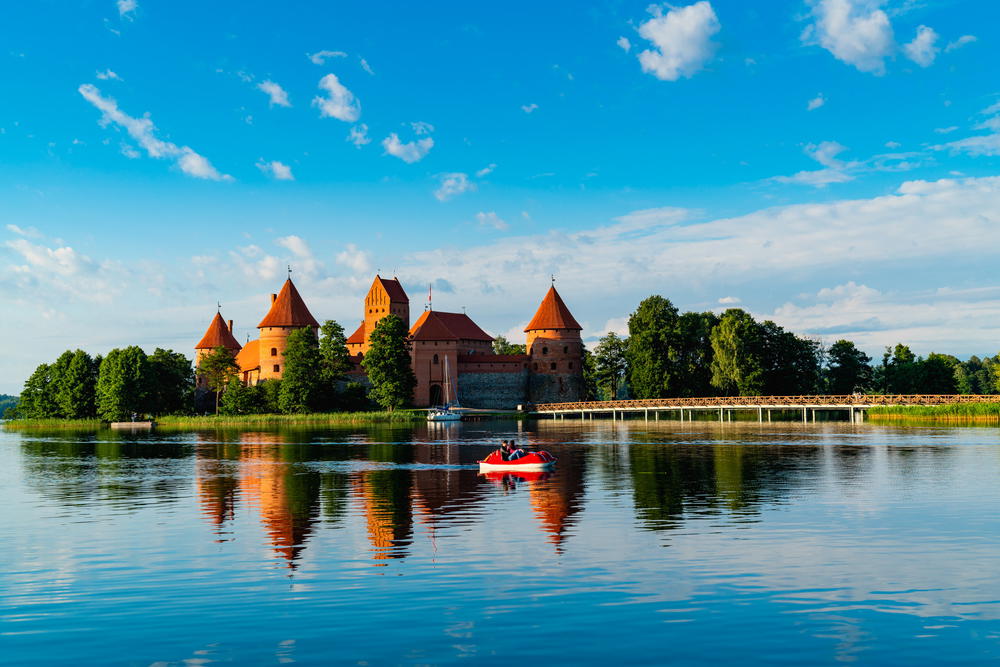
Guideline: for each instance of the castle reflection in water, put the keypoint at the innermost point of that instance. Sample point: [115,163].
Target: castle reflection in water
[399,491]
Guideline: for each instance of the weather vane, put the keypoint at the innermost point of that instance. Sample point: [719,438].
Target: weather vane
[553,280]
[218,305]
[289,271]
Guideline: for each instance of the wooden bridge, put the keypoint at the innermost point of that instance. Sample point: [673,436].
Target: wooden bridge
[763,406]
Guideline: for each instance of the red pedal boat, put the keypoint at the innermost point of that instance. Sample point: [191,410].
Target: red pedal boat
[535,461]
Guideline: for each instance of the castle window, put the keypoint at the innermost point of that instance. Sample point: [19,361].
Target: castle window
[277,368]
[435,359]
[565,349]
[552,366]
[571,365]
[545,350]
[536,366]
[274,351]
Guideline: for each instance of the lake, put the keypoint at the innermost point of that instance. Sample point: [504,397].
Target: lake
[649,543]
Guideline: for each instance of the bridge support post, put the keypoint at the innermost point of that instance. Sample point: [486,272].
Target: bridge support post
[760,415]
[769,415]
[656,415]
[646,414]
[720,415]
[814,415]
[804,415]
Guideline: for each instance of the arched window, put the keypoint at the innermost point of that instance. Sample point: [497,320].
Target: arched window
[274,351]
[552,366]
[277,368]
[545,350]
[435,360]
[565,349]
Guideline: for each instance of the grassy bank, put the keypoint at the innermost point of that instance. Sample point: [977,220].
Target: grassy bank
[53,424]
[955,412]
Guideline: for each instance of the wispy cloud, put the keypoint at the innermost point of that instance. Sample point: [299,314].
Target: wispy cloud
[275,169]
[528,108]
[366,67]
[276,93]
[320,57]
[624,44]
[339,102]
[453,185]
[126,8]
[922,50]
[409,152]
[143,131]
[107,74]
[816,102]
[491,219]
[359,135]
[959,43]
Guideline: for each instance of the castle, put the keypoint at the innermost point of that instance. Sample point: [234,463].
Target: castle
[440,343]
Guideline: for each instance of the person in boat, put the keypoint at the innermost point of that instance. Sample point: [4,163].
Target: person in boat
[514,454]
[504,451]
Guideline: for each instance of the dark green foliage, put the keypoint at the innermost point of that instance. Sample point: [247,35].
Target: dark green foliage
[123,384]
[791,364]
[270,394]
[610,365]
[503,346]
[738,354]
[301,381]
[241,399]
[354,398]
[38,396]
[171,383]
[217,368]
[977,376]
[937,374]
[336,362]
[590,392]
[694,354]
[8,406]
[651,351]
[388,364]
[848,369]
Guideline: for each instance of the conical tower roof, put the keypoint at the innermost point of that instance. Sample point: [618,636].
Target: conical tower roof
[288,310]
[218,334]
[553,314]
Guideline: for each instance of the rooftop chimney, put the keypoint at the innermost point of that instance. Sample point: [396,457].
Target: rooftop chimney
[230,326]
[274,297]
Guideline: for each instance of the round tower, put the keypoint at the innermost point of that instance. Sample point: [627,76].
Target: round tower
[219,334]
[556,350]
[288,312]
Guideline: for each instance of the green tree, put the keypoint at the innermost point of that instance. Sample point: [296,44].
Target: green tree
[738,354]
[123,384]
[301,381]
[848,369]
[76,387]
[589,375]
[270,391]
[38,399]
[937,374]
[217,368]
[388,364]
[503,346]
[791,364]
[900,371]
[651,351]
[694,354]
[610,364]
[171,382]
[241,399]
[336,362]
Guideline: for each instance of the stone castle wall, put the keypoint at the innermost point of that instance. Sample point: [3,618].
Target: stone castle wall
[555,388]
[502,390]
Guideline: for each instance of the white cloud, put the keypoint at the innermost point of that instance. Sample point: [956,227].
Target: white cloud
[277,170]
[730,300]
[339,102]
[959,43]
[624,44]
[27,232]
[359,135]
[64,270]
[892,144]
[980,145]
[409,152]
[826,154]
[143,131]
[922,49]
[354,259]
[107,75]
[946,130]
[816,102]
[854,31]
[275,92]
[421,128]
[491,219]
[366,67]
[305,262]
[126,8]
[453,185]
[681,40]
[486,171]
[528,108]
[265,269]
[320,57]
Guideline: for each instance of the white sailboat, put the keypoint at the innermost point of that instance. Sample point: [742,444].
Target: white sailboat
[445,413]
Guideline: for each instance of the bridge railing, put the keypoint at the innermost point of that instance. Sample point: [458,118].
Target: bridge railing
[845,400]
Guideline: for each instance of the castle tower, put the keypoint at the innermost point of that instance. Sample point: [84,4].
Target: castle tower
[556,350]
[386,297]
[288,313]
[219,333]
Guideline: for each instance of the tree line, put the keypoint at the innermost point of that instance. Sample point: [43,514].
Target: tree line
[671,354]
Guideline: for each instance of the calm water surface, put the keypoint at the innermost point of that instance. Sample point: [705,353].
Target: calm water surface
[649,544]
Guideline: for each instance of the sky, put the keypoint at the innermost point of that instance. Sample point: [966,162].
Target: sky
[828,164]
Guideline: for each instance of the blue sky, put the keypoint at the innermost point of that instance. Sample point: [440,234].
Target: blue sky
[830,164]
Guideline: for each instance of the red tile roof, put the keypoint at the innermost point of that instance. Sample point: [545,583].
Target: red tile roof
[393,288]
[436,325]
[553,314]
[358,336]
[249,357]
[218,334]
[288,310]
